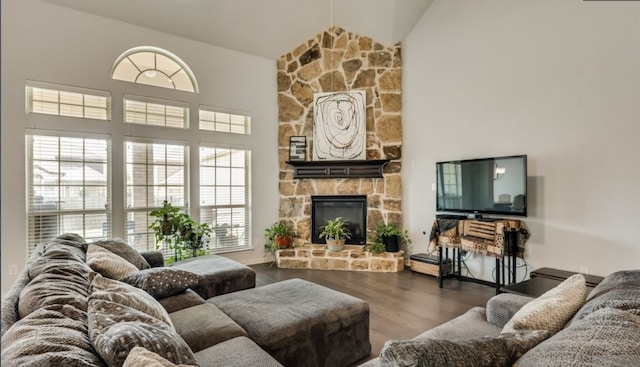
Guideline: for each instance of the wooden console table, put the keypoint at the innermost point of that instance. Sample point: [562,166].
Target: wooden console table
[557,274]
[503,239]
[544,279]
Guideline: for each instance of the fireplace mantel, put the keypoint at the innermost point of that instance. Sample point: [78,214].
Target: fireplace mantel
[371,168]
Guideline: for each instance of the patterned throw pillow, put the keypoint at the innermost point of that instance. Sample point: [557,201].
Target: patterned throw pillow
[108,264]
[503,350]
[163,282]
[122,293]
[552,310]
[140,357]
[125,251]
[115,329]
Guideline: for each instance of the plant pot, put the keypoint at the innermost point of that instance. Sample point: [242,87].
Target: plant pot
[335,245]
[391,243]
[283,241]
[166,226]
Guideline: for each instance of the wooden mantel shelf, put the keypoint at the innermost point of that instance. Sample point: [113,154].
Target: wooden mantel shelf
[338,169]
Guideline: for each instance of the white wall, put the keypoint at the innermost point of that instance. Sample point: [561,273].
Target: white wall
[558,80]
[43,42]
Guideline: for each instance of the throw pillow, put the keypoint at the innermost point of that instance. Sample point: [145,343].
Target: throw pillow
[127,295]
[163,282]
[140,357]
[49,338]
[125,251]
[108,264]
[553,309]
[503,350]
[115,329]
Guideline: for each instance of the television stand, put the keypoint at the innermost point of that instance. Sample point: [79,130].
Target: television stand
[502,239]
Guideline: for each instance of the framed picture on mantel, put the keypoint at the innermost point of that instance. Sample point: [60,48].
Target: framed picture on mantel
[297,148]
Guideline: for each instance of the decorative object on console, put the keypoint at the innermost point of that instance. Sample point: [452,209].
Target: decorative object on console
[297,148]
[339,125]
[335,232]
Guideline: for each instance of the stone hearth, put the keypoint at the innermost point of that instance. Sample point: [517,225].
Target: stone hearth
[352,258]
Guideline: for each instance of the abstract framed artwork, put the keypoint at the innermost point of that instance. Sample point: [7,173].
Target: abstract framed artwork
[297,148]
[339,126]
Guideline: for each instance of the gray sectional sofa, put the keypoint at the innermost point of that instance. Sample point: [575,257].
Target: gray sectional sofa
[603,330]
[63,312]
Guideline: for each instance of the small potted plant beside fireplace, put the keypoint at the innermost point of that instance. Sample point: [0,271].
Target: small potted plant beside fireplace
[392,236]
[335,232]
[280,236]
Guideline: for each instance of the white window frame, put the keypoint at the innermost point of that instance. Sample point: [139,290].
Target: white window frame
[85,92]
[57,212]
[219,126]
[159,102]
[142,238]
[241,236]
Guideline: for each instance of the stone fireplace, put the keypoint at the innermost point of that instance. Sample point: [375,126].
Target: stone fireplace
[337,60]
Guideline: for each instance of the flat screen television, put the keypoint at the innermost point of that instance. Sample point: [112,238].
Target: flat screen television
[483,186]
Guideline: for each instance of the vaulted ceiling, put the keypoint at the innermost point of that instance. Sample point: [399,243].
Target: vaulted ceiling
[265,28]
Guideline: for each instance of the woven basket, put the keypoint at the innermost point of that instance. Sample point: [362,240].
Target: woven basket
[427,268]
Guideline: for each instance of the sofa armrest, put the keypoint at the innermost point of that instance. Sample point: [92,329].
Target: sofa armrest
[154,258]
[502,307]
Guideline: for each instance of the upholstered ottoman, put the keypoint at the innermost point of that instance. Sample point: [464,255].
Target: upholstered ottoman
[301,323]
[221,275]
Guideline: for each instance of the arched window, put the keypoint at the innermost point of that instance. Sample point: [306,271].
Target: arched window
[154,66]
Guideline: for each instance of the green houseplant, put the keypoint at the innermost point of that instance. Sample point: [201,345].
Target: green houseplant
[391,236]
[335,233]
[179,232]
[165,219]
[280,235]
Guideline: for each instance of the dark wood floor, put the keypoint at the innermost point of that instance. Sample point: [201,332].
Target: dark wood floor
[402,305]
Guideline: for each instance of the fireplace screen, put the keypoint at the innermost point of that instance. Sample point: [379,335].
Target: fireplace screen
[352,208]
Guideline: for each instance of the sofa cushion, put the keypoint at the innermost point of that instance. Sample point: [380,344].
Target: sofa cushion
[606,337]
[502,307]
[163,282]
[140,357]
[237,352]
[54,289]
[59,259]
[469,325]
[221,275]
[182,300]
[502,350]
[205,325]
[125,251]
[553,309]
[127,295]
[619,290]
[109,264]
[49,338]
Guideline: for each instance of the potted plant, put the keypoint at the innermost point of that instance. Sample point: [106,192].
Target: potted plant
[163,225]
[179,232]
[335,232]
[391,236]
[280,236]
[191,235]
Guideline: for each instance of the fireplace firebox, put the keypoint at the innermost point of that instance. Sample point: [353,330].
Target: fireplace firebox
[352,208]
